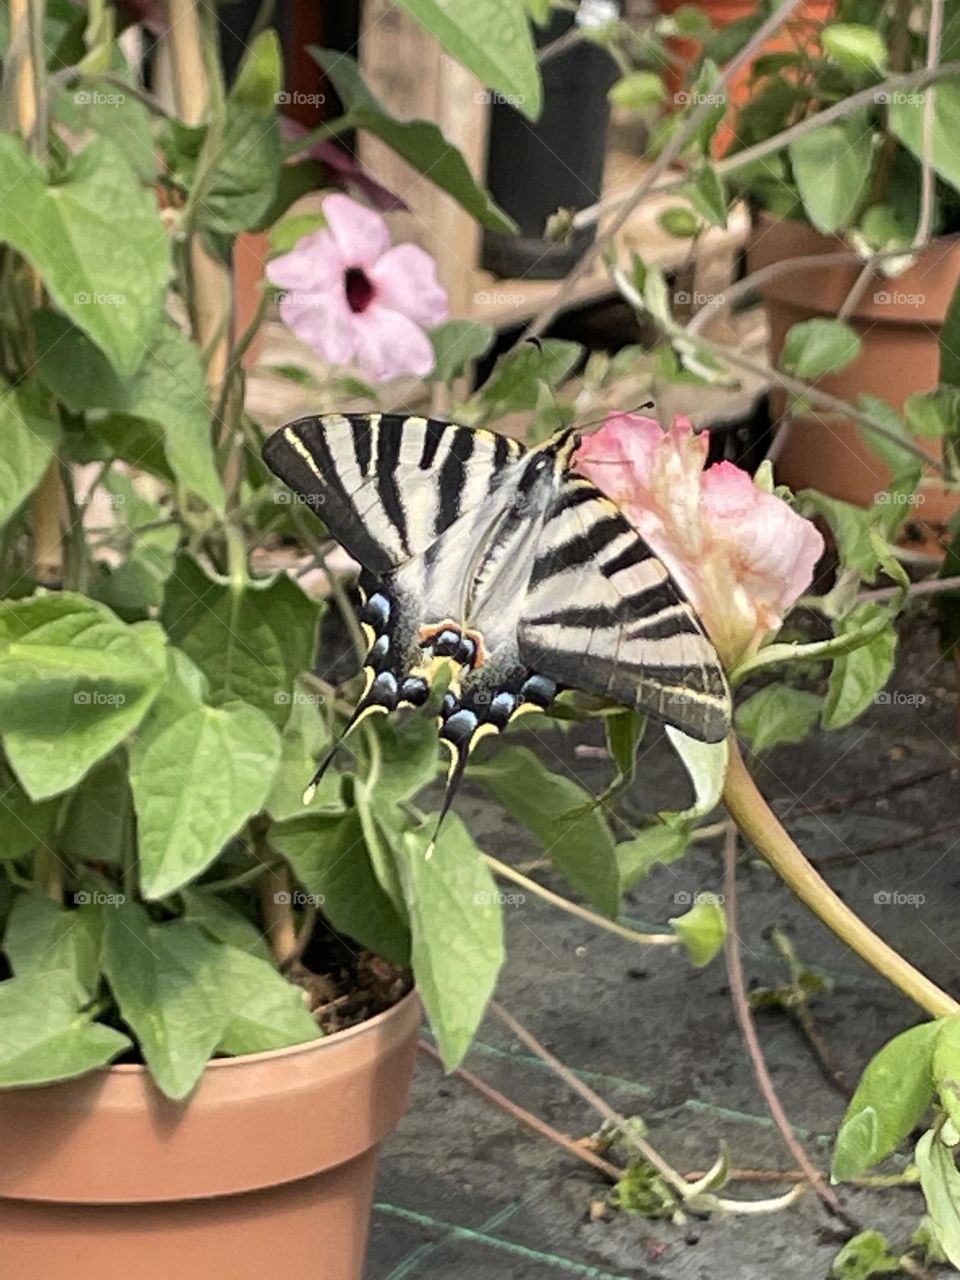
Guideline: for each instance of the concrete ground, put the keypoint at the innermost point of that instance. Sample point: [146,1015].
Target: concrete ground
[465,1192]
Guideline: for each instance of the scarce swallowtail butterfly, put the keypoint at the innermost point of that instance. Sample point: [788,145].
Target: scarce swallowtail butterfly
[505,564]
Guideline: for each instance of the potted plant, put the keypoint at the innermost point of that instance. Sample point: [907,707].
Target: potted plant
[873,193]
[207,1015]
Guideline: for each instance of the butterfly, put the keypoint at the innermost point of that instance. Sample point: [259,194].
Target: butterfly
[503,564]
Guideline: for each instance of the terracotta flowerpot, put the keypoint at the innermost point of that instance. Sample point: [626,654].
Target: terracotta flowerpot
[899,325]
[801,33]
[266,1173]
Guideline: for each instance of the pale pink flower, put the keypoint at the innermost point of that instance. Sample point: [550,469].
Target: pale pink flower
[350,295]
[741,556]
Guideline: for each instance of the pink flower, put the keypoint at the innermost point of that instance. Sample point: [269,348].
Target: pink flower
[742,556]
[350,295]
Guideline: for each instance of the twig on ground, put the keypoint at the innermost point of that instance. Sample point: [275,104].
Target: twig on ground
[855,855]
[524,1117]
[749,1032]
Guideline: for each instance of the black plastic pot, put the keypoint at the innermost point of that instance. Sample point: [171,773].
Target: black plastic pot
[535,169]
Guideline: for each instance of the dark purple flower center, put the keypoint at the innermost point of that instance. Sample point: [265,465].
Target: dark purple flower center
[359,289]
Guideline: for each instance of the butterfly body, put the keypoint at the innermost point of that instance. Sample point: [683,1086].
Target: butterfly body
[502,564]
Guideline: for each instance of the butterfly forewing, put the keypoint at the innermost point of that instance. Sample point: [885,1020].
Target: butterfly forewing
[387,486]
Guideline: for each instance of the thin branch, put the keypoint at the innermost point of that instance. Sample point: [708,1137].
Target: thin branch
[524,1117]
[748,1030]
[574,909]
[660,165]
[927,173]
[769,146]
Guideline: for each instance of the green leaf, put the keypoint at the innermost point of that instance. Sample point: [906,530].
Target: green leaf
[850,526]
[455,345]
[30,436]
[97,241]
[561,816]
[167,989]
[777,714]
[867,1254]
[817,347]
[905,468]
[23,824]
[638,91]
[43,937]
[656,844]
[854,47]
[905,120]
[707,195]
[933,414]
[168,391]
[623,730]
[492,39]
[679,222]
[251,641]
[305,738]
[946,1067]
[703,929]
[419,142]
[222,922]
[514,385]
[409,759]
[239,167]
[264,1010]
[706,766]
[331,860]
[74,681]
[950,343]
[457,933]
[44,1037]
[940,1181]
[832,169]
[894,1092]
[182,822]
[106,109]
[856,678]
[97,823]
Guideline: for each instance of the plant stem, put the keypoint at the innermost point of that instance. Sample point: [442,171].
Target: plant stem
[763,829]
[275,906]
[583,913]
[748,1030]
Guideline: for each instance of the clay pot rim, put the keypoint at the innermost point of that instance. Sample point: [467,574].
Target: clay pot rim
[764,215]
[274,1055]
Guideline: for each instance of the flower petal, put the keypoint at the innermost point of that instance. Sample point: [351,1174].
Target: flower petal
[389,344]
[323,321]
[313,264]
[406,280]
[360,233]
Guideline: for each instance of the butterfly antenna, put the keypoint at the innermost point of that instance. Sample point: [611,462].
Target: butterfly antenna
[459,755]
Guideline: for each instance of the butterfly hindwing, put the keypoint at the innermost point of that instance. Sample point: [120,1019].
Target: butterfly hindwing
[603,615]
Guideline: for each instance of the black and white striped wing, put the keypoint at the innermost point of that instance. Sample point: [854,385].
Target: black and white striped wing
[386,485]
[603,615]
